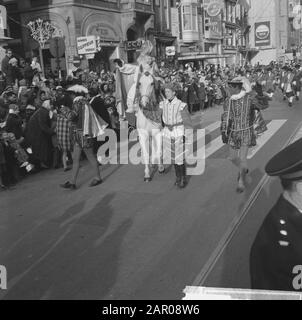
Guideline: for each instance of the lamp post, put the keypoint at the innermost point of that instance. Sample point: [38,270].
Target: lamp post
[41,31]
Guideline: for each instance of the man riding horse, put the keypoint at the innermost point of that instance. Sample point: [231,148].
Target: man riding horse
[141,84]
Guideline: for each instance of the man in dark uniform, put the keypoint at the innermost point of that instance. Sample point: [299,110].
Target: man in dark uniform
[277,250]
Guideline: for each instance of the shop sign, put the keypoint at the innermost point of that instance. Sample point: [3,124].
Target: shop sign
[86,45]
[170,51]
[213,27]
[105,32]
[90,56]
[76,61]
[262,34]
[213,7]
[134,45]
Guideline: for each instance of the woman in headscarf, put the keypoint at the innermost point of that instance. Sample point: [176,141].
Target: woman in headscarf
[13,73]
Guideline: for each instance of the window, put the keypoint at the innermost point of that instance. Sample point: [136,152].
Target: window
[187,18]
[190,18]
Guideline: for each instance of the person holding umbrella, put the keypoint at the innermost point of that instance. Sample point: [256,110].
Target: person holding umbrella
[86,126]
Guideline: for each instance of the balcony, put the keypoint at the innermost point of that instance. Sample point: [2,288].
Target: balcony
[144,6]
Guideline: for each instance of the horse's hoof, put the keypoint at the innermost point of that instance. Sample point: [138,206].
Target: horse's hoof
[162,171]
[147,179]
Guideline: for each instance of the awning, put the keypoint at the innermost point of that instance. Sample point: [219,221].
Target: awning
[201,57]
[248,50]
[2,38]
[165,39]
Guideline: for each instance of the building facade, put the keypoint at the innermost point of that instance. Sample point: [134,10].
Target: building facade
[213,31]
[274,35]
[224,32]
[119,27]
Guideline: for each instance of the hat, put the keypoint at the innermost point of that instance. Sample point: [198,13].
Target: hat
[173,86]
[287,164]
[30,107]
[59,88]
[13,107]
[236,81]
[78,89]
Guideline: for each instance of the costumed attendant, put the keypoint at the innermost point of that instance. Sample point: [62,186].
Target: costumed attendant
[289,87]
[176,119]
[86,126]
[277,249]
[297,81]
[237,126]
[283,77]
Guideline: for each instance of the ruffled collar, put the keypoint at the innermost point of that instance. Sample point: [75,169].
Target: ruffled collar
[239,96]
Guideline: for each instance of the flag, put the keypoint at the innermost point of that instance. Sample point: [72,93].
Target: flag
[244,4]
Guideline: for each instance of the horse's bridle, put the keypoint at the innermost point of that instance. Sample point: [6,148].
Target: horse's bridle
[147,74]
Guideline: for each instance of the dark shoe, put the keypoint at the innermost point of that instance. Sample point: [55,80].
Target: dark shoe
[68,185]
[290,104]
[183,171]
[178,175]
[3,187]
[67,169]
[95,183]
[297,98]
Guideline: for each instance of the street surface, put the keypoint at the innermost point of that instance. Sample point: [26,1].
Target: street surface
[130,240]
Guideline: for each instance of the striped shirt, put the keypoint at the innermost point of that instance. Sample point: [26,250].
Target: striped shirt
[172,116]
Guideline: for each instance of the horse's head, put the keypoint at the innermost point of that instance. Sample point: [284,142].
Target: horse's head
[146,87]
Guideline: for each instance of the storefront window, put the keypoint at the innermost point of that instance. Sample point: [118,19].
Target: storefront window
[190,18]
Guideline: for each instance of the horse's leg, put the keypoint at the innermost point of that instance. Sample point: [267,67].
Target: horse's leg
[145,145]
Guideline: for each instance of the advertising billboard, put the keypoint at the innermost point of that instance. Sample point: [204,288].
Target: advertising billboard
[263,34]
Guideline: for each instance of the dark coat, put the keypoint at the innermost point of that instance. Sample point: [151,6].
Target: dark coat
[201,92]
[272,263]
[3,110]
[28,74]
[13,74]
[14,125]
[5,64]
[38,135]
[192,94]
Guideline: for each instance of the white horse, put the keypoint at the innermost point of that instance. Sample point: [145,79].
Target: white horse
[149,125]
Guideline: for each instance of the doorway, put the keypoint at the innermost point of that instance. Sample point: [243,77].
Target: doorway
[102,60]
